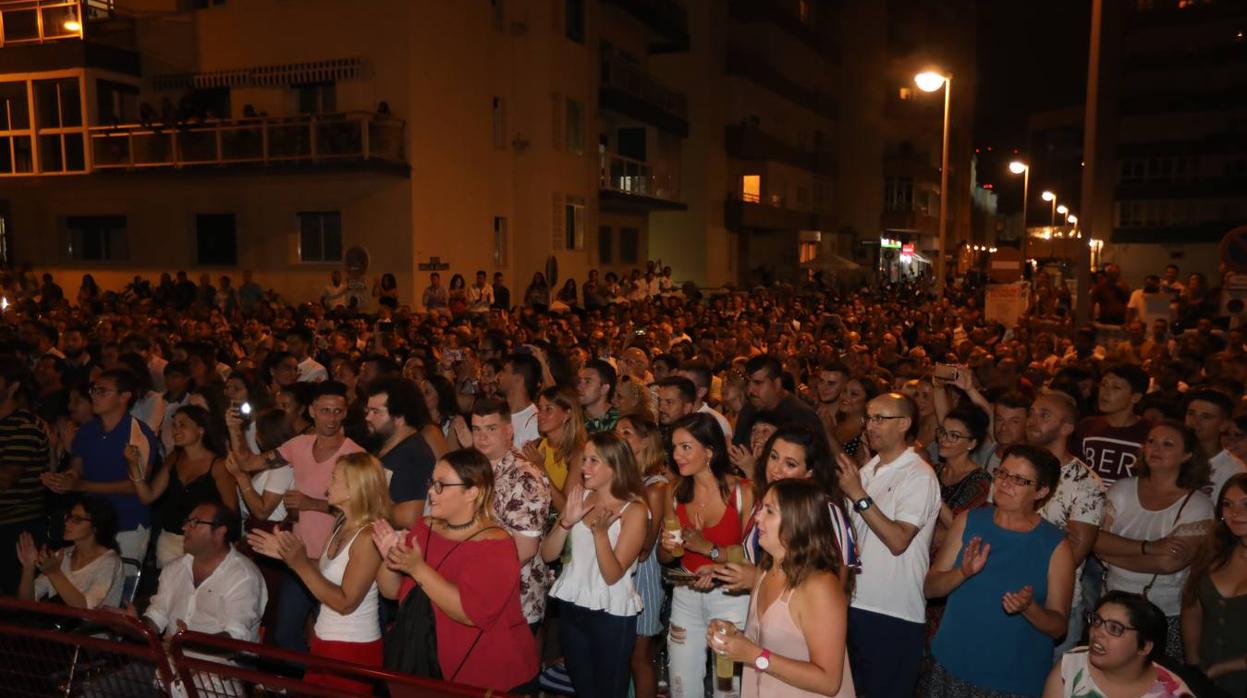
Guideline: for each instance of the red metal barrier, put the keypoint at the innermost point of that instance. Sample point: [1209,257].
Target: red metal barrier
[54,650]
[201,663]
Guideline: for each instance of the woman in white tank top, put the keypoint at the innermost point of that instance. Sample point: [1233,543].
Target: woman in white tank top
[344,578]
[606,519]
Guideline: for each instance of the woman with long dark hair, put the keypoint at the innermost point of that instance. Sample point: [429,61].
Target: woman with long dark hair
[1214,601]
[385,291]
[794,641]
[195,471]
[1155,521]
[712,506]
[88,573]
[851,417]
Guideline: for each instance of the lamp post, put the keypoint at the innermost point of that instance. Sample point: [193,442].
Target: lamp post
[1019,167]
[931,81]
[1051,198]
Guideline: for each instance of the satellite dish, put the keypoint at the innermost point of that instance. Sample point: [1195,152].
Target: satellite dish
[356,260]
[552,271]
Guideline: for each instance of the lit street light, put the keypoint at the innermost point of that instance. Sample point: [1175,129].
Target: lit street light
[1051,198]
[1019,167]
[1062,209]
[930,81]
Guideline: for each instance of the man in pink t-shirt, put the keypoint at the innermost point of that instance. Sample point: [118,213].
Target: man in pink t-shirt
[312,458]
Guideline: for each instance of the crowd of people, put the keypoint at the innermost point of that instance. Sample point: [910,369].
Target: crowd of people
[780,492]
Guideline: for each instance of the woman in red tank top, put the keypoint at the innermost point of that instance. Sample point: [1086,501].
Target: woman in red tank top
[711,504]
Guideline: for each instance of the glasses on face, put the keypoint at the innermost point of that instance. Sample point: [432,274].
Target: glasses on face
[74,518]
[1112,627]
[942,433]
[437,485]
[880,418]
[192,521]
[101,390]
[1002,474]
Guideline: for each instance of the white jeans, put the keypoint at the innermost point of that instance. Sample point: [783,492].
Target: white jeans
[692,612]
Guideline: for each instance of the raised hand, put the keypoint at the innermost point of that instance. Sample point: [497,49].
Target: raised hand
[134,462]
[600,521]
[264,543]
[405,558]
[974,557]
[850,476]
[384,536]
[1017,601]
[575,510]
[27,553]
[49,561]
[740,456]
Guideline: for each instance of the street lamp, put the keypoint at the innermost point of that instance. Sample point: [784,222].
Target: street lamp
[930,81]
[1051,198]
[1019,167]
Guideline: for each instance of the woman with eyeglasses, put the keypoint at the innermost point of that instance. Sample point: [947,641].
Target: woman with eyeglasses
[964,485]
[606,519]
[1009,578]
[481,635]
[88,574]
[1214,601]
[343,578]
[195,471]
[1122,658]
[1155,522]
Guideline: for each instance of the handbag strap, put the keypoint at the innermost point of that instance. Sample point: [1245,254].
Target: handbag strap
[479,631]
[1148,587]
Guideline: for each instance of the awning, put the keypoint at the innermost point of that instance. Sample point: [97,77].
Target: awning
[330,70]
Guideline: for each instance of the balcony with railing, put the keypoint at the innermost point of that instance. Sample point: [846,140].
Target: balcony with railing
[25,22]
[629,90]
[668,19]
[632,184]
[748,142]
[312,139]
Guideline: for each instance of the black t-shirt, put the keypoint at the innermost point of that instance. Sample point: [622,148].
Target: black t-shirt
[412,463]
[790,410]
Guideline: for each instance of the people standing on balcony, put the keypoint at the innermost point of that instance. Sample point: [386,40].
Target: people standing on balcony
[435,299]
[566,299]
[89,291]
[250,293]
[537,295]
[502,294]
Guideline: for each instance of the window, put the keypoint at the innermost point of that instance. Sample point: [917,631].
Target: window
[573,224]
[500,124]
[59,126]
[500,241]
[16,137]
[751,188]
[320,236]
[216,239]
[898,194]
[117,103]
[629,244]
[316,98]
[574,20]
[97,238]
[808,251]
[605,244]
[575,122]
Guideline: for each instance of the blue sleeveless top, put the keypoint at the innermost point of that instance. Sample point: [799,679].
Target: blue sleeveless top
[977,641]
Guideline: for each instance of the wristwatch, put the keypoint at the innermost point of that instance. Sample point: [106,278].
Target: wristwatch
[763,661]
[863,504]
[714,553]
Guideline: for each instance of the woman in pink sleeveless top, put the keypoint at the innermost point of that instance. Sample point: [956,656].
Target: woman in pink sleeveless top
[794,641]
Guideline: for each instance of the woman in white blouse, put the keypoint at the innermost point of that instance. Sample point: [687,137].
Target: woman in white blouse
[87,574]
[1155,521]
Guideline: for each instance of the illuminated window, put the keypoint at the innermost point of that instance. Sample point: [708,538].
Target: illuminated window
[751,188]
[16,136]
[808,251]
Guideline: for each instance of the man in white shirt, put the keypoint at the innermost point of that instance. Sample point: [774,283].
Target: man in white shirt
[1209,413]
[213,589]
[299,341]
[520,381]
[701,375]
[334,293]
[1077,505]
[480,295]
[896,501]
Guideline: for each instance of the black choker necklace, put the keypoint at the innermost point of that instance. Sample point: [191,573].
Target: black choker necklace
[459,527]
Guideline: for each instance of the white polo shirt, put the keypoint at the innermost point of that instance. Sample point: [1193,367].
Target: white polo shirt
[905,490]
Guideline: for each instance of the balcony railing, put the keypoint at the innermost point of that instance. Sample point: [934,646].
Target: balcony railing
[41,21]
[628,176]
[630,78]
[315,138]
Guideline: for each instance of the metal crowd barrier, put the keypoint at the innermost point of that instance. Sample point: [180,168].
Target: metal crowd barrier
[54,650]
[51,650]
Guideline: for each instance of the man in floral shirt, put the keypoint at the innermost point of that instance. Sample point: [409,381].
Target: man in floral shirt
[521,501]
[1077,506]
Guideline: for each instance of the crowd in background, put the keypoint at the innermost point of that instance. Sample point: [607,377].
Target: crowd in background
[629,485]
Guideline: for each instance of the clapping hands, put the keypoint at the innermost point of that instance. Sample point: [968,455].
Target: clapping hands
[280,545]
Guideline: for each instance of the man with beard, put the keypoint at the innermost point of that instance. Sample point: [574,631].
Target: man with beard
[395,406]
[765,392]
[77,360]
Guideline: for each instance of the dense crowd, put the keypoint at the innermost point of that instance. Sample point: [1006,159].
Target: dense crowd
[788,491]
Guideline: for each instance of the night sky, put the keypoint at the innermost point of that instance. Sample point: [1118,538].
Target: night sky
[1032,56]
